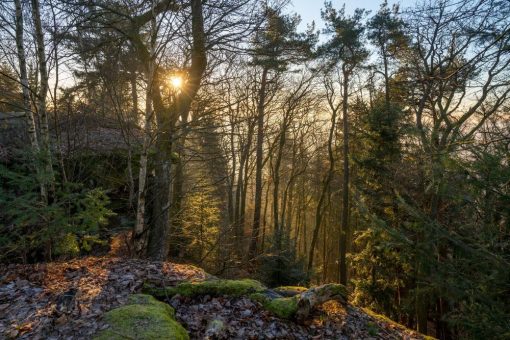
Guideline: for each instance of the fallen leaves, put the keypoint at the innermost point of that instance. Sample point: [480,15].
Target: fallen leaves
[207,317]
[66,300]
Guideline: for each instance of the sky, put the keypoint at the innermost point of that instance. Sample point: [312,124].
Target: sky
[310,10]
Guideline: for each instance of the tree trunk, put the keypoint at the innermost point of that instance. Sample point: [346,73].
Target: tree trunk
[241,189]
[386,78]
[316,296]
[29,116]
[138,235]
[344,232]
[278,227]
[176,241]
[133,120]
[252,252]
[232,178]
[158,240]
[158,246]
[327,180]
[264,220]
[41,96]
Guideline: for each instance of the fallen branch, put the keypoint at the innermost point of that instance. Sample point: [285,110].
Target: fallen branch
[285,302]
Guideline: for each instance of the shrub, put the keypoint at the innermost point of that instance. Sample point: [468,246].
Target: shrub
[31,229]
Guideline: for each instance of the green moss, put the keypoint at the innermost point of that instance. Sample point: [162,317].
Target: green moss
[338,290]
[211,287]
[290,290]
[142,318]
[428,337]
[284,308]
[382,318]
[142,299]
[373,329]
[260,297]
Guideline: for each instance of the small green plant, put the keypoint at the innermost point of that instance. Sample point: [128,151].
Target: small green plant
[372,329]
[32,229]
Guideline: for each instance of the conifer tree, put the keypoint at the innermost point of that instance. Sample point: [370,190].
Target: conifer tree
[276,46]
[346,48]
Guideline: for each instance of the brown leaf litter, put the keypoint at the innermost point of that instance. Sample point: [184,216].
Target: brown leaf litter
[66,300]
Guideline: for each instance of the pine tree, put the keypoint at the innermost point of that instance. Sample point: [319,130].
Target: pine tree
[276,46]
[347,48]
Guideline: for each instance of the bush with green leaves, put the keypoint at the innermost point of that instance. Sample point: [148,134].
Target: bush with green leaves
[32,230]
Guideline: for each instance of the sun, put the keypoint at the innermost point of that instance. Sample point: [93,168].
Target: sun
[176,81]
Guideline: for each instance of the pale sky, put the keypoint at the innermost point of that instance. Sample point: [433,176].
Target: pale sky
[310,10]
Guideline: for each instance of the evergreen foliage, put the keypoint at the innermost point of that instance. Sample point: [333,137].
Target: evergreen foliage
[379,158]
[32,229]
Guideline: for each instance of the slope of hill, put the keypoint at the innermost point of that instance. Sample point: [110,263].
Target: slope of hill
[68,300]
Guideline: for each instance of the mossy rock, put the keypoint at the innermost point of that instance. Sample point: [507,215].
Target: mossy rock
[210,287]
[300,304]
[259,297]
[339,291]
[283,307]
[142,318]
[288,291]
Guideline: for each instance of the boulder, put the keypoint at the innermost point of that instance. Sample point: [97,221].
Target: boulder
[142,318]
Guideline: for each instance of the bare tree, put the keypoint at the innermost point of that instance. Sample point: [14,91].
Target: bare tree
[334,107]
[43,92]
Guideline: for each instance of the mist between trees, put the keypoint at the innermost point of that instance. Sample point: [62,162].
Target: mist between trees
[373,153]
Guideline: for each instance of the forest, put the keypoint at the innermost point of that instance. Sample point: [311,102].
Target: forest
[369,150]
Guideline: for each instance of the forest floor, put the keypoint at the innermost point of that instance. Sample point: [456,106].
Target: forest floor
[66,300]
